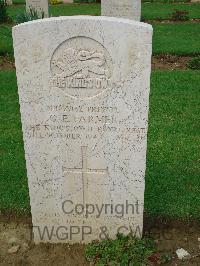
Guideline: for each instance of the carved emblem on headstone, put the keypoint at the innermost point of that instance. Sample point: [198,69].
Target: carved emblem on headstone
[81,66]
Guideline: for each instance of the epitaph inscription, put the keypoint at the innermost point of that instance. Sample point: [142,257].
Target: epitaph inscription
[83,85]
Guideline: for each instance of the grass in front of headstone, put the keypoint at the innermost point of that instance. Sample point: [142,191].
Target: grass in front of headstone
[172,178]
[176,39]
[13,180]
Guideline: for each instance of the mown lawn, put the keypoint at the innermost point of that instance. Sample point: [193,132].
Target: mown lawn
[164,10]
[6,43]
[172,179]
[173,170]
[177,38]
[180,39]
[13,181]
[149,10]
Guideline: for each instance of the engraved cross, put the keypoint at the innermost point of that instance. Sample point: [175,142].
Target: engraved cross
[84,171]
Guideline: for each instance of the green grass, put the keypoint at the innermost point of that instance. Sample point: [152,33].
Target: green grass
[6,43]
[164,10]
[62,10]
[173,183]
[172,179]
[180,38]
[19,2]
[75,9]
[124,250]
[13,181]
[149,10]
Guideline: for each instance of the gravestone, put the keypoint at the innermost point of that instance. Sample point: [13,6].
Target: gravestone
[68,1]
[83,85]
[40,6]
[9,2]
[130,9]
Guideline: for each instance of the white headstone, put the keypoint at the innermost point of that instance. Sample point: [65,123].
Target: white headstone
[9,2]
[40,6]
[130,9]
[84,85]
[68,1]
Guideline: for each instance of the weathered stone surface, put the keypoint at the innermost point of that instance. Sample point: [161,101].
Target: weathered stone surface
[182,254]
[84,84]
[130,9]
[41,6]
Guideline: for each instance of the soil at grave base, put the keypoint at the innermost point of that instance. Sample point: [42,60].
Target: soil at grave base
[169,237]
[6,64]
[170,62]
[159,62]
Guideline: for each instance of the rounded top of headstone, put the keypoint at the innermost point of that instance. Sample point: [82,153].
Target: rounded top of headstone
[87,18]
